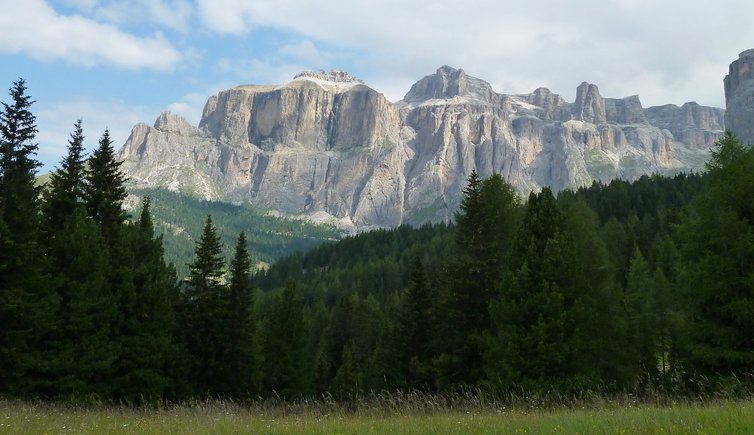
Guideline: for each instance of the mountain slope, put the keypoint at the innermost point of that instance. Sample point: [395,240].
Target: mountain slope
[326,146]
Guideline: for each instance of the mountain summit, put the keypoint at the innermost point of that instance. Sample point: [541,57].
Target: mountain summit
[330,148]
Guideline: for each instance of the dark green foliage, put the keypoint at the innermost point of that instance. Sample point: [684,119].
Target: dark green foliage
[240,326]
[414,331]
[485,223]
[88,311]
[206,306]
[717,249]
[65,189]
[268,238]
[105,189]
[548,328]
[639,298]
[146,324]
[27,305]
[620,286]
[282,346]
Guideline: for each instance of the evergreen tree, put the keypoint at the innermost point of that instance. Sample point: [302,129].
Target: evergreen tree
[716,242]
[549,330]
[146,323]
[65,190]
[639,299]
[241,334]
[86,345]
[26,304]
[413,330]
[207,310]
[282,346]
[485,221]
[105,189]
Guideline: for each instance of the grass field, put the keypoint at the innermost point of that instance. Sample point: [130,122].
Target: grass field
[714,418]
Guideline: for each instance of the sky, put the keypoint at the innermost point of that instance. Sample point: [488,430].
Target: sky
[114,63]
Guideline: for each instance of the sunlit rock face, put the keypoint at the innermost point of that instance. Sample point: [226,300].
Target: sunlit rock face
[327,146]
[739,97]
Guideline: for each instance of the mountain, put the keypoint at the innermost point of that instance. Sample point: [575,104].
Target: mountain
[328,147]
[739,97]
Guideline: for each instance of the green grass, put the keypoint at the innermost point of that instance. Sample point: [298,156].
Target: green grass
[720,417]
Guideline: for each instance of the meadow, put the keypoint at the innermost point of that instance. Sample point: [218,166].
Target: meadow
[720,416]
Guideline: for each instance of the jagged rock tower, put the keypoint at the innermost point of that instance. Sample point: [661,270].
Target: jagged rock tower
[739,97]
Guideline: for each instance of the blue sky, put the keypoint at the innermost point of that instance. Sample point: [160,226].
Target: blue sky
[116,63]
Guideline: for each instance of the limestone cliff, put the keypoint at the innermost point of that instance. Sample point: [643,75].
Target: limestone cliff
[328,147]
[739,97]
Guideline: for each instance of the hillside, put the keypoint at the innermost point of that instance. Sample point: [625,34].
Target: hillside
[180,218]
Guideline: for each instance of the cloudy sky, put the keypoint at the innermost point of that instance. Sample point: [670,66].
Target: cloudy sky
[114,63]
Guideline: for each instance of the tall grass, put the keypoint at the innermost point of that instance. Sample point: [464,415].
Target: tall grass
[466,411]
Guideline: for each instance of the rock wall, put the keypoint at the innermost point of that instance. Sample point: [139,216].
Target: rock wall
[325,144]
[739,97]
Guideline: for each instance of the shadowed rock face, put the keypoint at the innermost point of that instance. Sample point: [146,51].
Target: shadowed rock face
[739,97]
[327,146]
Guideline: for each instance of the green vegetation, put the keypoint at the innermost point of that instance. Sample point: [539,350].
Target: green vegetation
[638,289]
[179,218]
[428,213]
[716,417]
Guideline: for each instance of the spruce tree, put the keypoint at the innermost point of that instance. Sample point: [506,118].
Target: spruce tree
[413,330]
[26,304]
[105,189]
[282,346]
[207,311]
[639,299]
[147,323]
[65,190]
[716,241]
[484,231]
[550,315]
[241,334]
[85,343]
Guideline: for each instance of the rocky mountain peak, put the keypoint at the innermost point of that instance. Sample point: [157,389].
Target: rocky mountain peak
[334,75]
[449,83]
[328,147]
[172,123]
[739,97]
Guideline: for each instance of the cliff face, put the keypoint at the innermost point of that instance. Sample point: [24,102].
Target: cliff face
[327,146]
[739,97]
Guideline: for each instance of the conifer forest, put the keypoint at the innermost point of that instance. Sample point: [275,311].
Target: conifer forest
[626,286]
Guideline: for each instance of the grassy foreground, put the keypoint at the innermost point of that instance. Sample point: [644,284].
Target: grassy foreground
[723,417]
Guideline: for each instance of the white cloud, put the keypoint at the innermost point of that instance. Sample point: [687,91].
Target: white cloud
[191,105]
[169,14]
[669,51]
[55,122]
[304,51]
[33,28]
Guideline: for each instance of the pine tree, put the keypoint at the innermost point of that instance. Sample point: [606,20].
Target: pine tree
[146,323]
[26,304]
[85,345]
[641,322]
[65,190]
[716,242]
[282,345]
[413,330]
[241,334]
[105,189]
[484,229]
[207,311]
[550,329]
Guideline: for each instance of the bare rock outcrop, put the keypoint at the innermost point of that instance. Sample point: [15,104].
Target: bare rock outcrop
[739,97]
[325,145]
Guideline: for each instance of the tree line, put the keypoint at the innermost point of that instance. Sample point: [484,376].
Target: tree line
[612,287]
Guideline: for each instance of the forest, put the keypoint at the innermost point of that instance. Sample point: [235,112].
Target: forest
[619,287]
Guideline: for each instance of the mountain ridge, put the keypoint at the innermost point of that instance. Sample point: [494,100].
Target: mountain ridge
[326,144]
